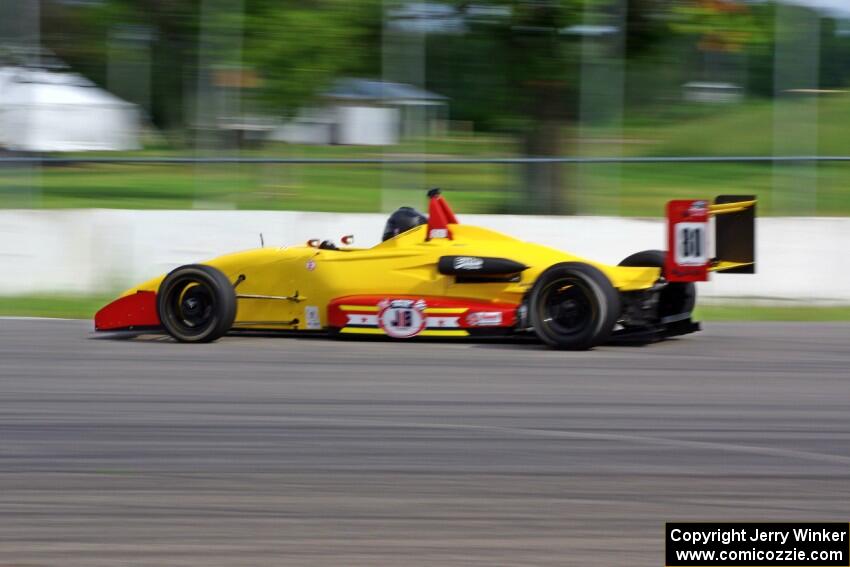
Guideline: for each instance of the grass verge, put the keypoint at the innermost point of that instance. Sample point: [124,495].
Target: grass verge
[68,307]
[772,313]
[797,189]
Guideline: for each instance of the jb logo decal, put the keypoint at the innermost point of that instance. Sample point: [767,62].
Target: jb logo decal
[401,318]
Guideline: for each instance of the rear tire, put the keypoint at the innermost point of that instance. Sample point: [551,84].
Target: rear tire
[573,306]
[196,304]
[675,299]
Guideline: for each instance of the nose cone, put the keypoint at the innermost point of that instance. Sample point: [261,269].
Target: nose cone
[133,311]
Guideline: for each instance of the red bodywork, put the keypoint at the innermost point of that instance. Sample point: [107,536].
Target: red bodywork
[440,216]
[129,312]
[139,311]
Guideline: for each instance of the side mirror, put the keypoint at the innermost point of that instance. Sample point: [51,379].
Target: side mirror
[347,240]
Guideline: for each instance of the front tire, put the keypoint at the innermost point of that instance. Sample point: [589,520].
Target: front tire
[196,304]
[573,306]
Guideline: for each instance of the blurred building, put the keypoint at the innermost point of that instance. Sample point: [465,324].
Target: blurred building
[367,112]
[428,17]
[47,111]
[712,92]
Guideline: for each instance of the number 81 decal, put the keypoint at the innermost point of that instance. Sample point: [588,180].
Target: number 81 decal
[691,243]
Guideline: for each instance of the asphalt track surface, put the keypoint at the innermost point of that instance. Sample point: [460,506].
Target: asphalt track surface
[269,451]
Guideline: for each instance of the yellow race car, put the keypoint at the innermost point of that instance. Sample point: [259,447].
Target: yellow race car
[435,277]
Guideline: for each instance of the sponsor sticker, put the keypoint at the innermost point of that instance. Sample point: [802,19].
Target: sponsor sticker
[468,263]
[698,208]
[311,315]
[401,318]
[484,319]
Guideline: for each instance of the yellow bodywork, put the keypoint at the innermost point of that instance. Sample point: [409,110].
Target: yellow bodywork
[281,283]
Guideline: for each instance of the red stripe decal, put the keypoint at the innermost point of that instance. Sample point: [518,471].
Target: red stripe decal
[478,313]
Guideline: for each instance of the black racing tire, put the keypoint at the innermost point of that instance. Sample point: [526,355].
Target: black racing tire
[676,298]
[196,304]
[573,306]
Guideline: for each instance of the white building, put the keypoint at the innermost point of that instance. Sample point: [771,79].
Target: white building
[366,112]
[46,111]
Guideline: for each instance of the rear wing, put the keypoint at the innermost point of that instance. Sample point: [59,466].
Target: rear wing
[689,246]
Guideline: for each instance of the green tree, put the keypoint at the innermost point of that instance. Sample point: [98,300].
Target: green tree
[295,47]
[85,35]
[524,59]
[299,47]
[528,54]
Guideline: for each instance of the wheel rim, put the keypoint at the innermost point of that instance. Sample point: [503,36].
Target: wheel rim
[192,305]
[567,307]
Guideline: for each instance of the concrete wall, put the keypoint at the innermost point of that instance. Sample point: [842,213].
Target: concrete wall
[94,251]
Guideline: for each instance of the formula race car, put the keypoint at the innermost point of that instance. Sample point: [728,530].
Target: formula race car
[435,277]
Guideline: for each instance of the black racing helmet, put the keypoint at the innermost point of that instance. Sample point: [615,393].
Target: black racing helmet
[404,219]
